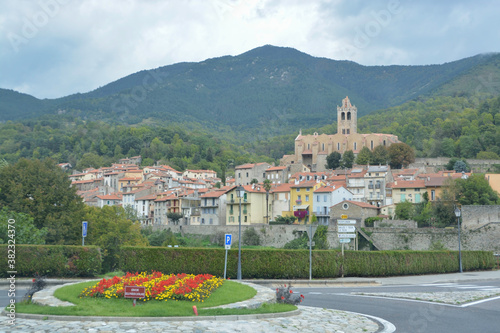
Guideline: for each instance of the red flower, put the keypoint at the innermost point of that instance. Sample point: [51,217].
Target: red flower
[282,297]
[301,295]
[34,280]
[291,292]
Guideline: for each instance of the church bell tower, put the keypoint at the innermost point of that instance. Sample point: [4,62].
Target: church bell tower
[347,118]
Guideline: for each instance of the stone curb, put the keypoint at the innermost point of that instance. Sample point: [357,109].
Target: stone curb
[150,319]
[264,295]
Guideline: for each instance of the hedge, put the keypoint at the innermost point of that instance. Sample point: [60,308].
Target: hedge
[294,264]
[52,260]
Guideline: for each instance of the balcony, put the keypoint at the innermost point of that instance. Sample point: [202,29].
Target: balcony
[298,202]
[377,186]
[370,186]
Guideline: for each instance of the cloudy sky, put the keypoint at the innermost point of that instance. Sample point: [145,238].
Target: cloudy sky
[53,48]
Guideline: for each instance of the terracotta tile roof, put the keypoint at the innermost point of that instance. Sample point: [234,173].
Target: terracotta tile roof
[147,197]
[408,184]
[110,197]
[281,188]
[360,204]
[276,168]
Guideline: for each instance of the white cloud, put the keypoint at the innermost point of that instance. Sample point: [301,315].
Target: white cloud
[77,46]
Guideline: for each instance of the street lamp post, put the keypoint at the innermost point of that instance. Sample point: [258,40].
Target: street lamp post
[457,214]
[240,191]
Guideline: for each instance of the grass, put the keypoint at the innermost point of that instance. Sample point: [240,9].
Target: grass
[229,292]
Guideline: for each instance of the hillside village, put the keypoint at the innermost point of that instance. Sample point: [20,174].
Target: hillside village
[301,186]
[155,191]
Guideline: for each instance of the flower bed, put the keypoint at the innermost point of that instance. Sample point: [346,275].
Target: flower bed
[158,286]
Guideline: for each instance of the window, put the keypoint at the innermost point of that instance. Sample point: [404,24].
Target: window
[299,198]
[348,117]
[403,197]
[246,218]
[433,195]
[371,145]
[324,197]
[323,146]
[308,189]
[247,174]
[307,198]
[239,174]
[298,189]
[355,146]
[338,145]
[317,198]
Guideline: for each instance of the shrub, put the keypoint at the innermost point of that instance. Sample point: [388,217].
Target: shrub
[251,237]
[54,260]
[285,295]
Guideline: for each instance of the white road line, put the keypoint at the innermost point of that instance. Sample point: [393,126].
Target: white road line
[480,301]
[388,326]
[437,284]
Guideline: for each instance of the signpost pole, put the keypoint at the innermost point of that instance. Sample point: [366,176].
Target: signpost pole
[225,265]
[310,254]
[227,241]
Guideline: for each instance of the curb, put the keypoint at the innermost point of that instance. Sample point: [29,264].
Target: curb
[150,319]
[314,283]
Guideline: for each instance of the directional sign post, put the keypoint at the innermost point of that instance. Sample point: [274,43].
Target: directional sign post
[227,241]
[84,231]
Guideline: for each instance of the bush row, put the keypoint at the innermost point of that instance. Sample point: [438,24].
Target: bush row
[78,261]
[51,260]
[294,264]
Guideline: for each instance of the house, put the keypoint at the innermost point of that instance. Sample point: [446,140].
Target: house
[213,207]
[167,202]
[190,206]
[280,197]
[65,166]
[144,207]
[247,172]
[354,210]
[301,197]
[376,178]
[277,175]
[199,174]
[253,205]
[356,184]
[327,196]
[408,190]
[109,200]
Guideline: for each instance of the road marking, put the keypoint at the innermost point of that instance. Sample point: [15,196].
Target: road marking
[388,326]
[480,301]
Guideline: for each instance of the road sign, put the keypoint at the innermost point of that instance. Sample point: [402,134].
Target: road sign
[347,235]
[343,216]
[345,240]
[228,240]
[346,228]
[134,292]
[84,228]
[346,221]
[309,243]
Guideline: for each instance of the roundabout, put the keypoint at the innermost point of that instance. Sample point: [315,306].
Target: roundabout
[304,319]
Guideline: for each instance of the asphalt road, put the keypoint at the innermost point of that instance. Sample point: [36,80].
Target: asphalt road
[413,316]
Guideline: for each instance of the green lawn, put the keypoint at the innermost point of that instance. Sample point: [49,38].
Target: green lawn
[229,292]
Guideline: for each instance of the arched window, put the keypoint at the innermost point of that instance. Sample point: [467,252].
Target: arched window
[348,116]
[343,116]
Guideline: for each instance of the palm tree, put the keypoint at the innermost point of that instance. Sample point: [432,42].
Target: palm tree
[267,187]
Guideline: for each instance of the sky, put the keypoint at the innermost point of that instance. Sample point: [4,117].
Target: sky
[54,48]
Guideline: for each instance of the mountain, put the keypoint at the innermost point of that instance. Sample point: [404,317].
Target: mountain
[264,92]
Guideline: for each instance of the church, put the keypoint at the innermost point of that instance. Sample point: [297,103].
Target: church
[312,150]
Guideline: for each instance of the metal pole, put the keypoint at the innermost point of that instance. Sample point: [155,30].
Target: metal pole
[459,249]
[225,265]
[239,245]
[310,252]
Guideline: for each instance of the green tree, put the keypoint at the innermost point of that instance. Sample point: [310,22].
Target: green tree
[404,210]
[250,237]
[43,191]
[401,155]
[460,166]
[475,190]
[347,159]
[364,156]
[174,217]
[333,160]
[22,226]
[109,228]
[380,156]
[90,160]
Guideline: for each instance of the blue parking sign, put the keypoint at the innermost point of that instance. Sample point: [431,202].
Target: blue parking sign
[84,228]
[228,239]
